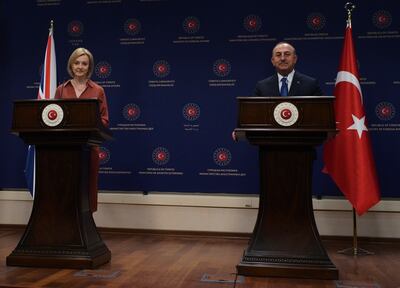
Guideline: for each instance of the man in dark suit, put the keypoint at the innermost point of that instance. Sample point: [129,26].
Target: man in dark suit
[287,81]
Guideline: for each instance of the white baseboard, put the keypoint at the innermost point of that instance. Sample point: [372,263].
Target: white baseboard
[211,213]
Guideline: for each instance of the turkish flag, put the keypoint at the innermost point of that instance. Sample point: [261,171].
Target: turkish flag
[348,157]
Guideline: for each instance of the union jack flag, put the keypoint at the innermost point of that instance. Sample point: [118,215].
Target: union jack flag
[48,82]
[47,90]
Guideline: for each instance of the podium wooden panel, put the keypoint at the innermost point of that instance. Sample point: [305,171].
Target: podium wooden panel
[285,241]
[61,231]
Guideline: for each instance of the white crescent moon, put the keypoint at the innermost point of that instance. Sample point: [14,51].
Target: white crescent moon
[286,113]
[345,76]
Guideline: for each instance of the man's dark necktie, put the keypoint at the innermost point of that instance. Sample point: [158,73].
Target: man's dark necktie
[284,87]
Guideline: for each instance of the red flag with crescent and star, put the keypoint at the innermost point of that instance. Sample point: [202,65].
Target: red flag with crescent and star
[348,157]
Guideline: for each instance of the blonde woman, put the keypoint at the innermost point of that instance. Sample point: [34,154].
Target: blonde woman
[80,68]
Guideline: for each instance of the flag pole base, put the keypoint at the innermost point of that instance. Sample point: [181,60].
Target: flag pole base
[355,252]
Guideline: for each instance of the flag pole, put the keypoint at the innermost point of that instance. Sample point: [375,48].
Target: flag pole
[355,243]
[349,7]
[355,250]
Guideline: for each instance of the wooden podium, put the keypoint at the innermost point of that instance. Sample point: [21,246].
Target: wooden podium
[285,241]
[61,231]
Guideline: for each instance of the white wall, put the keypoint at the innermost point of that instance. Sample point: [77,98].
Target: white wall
[214,213]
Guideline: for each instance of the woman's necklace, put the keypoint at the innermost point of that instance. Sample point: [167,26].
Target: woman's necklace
[78,87]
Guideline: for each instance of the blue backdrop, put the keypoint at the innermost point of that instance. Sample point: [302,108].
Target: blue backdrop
[172,71]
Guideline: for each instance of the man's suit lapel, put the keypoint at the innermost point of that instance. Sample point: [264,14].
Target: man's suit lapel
[295,85]
[275,86]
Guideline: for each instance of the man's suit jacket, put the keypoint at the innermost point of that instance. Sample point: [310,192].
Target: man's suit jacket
[302,85]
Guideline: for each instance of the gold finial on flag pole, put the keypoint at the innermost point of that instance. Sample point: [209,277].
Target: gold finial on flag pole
[349,7]
[51,25]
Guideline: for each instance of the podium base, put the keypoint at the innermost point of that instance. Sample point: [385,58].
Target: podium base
[271,264]
[287,271]
[67,259]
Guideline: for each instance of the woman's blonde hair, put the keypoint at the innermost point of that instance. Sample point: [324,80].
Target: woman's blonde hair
[77,53]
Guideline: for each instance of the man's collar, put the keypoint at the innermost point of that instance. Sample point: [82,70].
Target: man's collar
[289,76]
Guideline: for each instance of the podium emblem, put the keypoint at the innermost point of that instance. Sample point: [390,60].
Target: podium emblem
[286,114]
[52,115]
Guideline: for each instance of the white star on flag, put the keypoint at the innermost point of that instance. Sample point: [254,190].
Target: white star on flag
[359,125]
